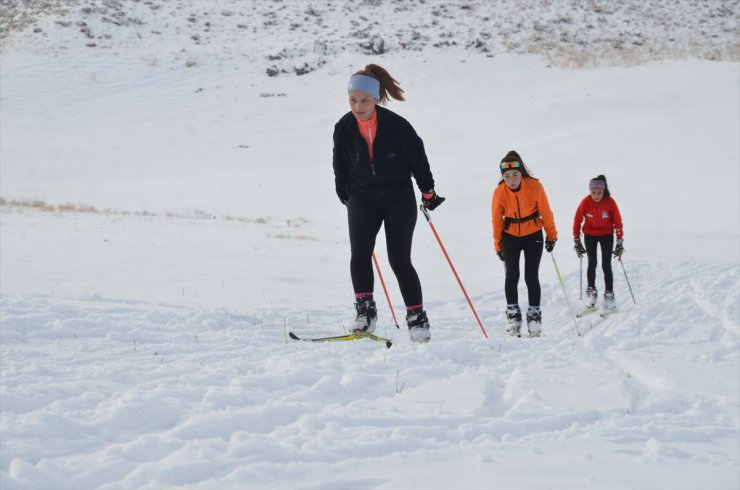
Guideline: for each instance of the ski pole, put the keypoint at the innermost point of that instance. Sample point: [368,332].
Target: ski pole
[580,291]
[439,240]
[565,292]
[387,297]
[627,279]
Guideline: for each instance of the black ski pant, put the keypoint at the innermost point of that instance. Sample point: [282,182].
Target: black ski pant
[607,244]
[512,247]
[398,216]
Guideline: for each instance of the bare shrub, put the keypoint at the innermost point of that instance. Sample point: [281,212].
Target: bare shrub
[86,208]
[68,207]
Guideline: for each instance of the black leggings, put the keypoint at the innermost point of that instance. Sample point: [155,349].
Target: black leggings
[512,247]
[607,242]
[398,214]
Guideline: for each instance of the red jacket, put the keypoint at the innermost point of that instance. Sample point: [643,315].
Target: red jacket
[601,218]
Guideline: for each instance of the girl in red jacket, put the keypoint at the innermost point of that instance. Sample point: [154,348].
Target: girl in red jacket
[599,217]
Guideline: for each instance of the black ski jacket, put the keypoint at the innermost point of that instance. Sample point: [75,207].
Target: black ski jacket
[398,151]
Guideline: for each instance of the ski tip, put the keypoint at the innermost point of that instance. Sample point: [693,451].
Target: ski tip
[585,312]
[293,336]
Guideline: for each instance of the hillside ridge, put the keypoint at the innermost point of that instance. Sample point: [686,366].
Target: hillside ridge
[296,37]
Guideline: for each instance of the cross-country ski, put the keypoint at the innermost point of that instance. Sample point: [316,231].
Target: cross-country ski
[343,338]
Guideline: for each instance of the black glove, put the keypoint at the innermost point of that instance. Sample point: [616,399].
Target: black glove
[549,245]
[619,250]
[580,251]
[500,255]
[344,200]
[431,200]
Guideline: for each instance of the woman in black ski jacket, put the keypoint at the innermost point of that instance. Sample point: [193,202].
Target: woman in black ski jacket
[375,154]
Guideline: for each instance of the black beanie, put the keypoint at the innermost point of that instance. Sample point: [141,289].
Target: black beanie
[512,156]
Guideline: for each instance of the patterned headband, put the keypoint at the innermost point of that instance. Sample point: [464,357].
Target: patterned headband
[596,184]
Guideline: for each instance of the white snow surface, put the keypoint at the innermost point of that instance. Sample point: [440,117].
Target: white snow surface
[191,223]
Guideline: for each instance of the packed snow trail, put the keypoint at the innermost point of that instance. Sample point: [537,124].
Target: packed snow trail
[99,392]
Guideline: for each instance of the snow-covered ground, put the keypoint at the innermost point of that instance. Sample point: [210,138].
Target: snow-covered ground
[191,222]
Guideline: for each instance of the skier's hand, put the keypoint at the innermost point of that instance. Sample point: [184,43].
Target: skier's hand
[344,200]
[619,250]
[549,245]
[430,200]
[500,255]
[580,251]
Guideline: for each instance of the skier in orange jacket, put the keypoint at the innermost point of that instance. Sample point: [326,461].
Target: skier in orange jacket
[519,211]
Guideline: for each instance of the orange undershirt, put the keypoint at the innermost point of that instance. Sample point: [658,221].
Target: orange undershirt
[368,129]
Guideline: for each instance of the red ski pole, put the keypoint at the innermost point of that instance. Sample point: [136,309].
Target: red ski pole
[436,235]
[385,289]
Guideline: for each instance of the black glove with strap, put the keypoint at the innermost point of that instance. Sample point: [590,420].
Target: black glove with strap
[430,200]
[549,245]
[580,251]
[619,250]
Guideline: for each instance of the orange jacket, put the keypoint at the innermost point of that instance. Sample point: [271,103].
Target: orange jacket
[529,199]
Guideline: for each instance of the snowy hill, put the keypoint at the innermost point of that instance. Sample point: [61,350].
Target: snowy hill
[167,215]
[286,36]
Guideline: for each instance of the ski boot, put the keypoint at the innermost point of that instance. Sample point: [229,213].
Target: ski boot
[610,302]
[514,318]
[367,316]
[418,326]
[534,321]
[591,295]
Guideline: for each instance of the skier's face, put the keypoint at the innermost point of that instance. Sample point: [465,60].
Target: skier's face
[597,194]
[513,179]
[362,105]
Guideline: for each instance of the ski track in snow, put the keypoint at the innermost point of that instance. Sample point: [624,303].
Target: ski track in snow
[103,392]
